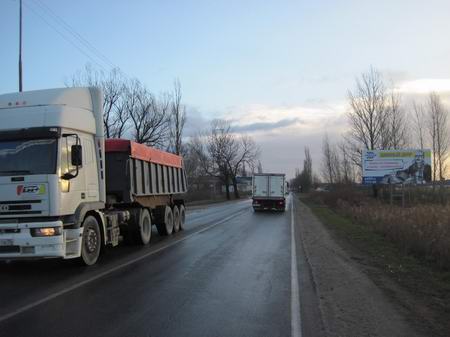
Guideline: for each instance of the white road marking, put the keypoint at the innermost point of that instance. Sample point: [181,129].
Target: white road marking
[112,270]
[296,324]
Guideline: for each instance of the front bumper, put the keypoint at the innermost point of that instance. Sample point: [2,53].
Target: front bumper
[16,241]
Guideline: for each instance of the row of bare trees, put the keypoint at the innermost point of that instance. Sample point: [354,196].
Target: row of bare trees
[131,110]
[221,153]
[378,119]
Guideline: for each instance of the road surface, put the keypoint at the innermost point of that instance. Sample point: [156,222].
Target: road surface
[228,274]
[232,272]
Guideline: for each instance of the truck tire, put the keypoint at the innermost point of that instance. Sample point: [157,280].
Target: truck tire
[176,219]
[182,216]
[145,227]
[91,241]
[166,228]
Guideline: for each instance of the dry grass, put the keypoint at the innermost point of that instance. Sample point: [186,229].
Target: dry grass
[422,230]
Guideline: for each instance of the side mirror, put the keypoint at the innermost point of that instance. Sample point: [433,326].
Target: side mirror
[76,157]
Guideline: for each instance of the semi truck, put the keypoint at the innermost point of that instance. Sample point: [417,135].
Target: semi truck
[269,191]
[67,192]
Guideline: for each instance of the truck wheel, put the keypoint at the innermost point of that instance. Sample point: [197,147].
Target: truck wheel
[166,228]
[176,219]
[145,227]
[182,216]
[91,241]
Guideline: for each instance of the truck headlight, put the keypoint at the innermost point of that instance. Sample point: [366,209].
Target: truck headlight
[46,231]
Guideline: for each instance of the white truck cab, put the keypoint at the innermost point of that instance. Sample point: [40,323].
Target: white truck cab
[51,171]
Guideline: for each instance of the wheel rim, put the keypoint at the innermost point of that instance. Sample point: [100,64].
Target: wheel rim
[146,227]
[182,218]
[91,240]
[169,224]
[176,219]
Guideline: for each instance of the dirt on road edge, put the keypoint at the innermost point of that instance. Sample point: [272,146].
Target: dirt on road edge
[350,302]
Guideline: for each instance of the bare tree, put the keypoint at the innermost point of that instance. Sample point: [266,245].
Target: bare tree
[150,116]
[328,165]
[337,166]
[394,131]
[113,85]
[439,135]
[419,123]
[367,115]
[221,148]
[307,173]
[347,168]
[196,161]
[178,119]
[244,151]
[224,154]
[259,167]
[303,180]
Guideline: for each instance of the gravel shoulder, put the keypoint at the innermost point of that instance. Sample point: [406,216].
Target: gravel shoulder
[350,302]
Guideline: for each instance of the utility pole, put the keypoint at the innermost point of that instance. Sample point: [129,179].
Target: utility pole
[20,47]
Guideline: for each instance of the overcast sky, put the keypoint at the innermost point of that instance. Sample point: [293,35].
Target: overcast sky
[280,70]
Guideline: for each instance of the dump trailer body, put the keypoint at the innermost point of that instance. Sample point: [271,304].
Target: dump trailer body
[136,173]
[269,191]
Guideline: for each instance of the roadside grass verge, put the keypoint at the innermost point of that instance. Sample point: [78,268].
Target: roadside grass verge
[422,277]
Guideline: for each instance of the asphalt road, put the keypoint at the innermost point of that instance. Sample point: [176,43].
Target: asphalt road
[228,274]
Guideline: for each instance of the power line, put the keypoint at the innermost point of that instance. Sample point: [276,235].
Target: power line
[64,36]
[20,47]
[75,34]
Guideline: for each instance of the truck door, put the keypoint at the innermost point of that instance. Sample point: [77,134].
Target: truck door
[261,186]
[276,186]
[90,168]
[73,191]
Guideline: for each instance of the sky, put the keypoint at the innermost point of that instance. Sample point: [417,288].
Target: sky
[279,70]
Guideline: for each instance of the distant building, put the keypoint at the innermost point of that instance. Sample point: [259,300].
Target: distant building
[206,183]
[244,184]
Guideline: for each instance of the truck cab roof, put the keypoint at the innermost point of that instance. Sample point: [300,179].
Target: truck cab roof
[74,108]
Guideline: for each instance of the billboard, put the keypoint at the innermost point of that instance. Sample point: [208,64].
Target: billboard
[396,166]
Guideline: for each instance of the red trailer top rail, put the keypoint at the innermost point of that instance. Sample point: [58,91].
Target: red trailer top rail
[143,152]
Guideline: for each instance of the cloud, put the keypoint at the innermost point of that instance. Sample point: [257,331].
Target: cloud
[281,131]
[196,121]
[266,118]
[267,126]
[425,86]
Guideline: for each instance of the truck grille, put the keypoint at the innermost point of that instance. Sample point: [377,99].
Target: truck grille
[18,207]
[9,249]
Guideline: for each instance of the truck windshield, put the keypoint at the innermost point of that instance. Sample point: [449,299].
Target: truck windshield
[30,156]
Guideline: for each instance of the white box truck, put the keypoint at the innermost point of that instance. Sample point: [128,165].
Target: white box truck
[269,191]
[66,192]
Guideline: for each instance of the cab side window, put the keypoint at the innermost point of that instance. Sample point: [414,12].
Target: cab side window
[66,154]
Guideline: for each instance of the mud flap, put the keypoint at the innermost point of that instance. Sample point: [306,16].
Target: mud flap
[73,239]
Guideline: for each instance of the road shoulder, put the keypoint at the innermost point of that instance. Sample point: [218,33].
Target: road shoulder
[351,304]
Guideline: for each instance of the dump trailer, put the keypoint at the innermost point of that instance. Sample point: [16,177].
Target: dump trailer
[66,192]
[269,191]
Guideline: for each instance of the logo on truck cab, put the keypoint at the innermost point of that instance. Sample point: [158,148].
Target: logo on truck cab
[30,189]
